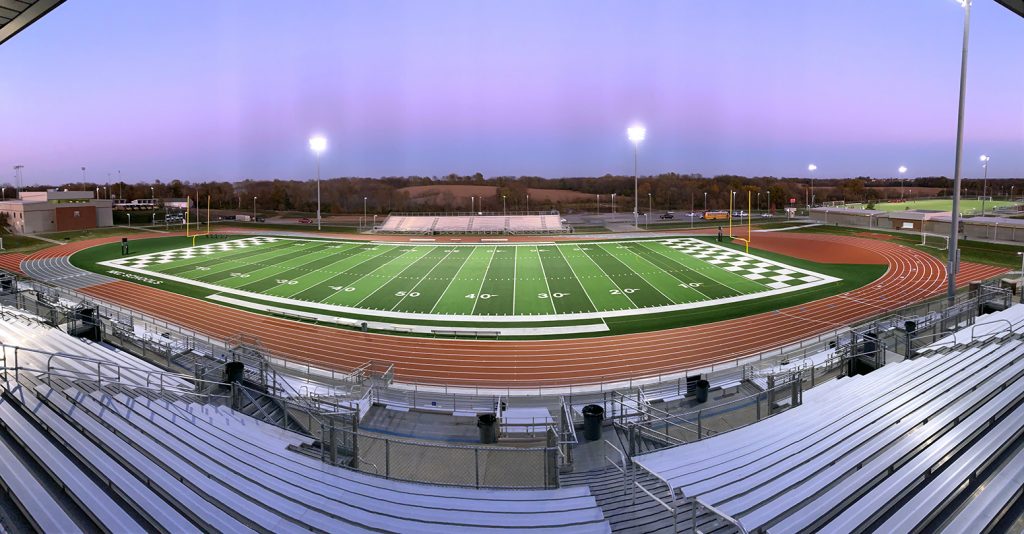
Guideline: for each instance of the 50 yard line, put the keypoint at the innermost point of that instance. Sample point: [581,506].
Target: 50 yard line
[484,279]
[424,277]
[447,287]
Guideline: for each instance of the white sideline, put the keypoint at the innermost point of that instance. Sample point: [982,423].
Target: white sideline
[411,328]
[489,319]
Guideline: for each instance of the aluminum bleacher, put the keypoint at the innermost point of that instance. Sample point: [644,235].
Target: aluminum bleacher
[925,444]
[85,452]
[473,224]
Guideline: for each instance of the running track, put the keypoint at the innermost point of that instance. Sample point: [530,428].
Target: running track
[911,276]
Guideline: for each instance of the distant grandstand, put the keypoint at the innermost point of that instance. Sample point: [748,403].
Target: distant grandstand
[471,223]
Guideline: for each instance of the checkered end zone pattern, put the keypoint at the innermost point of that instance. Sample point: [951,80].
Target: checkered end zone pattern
[167,256]
[771,274]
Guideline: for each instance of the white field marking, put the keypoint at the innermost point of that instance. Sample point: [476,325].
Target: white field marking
[545,275]
[698,273]
[670,274]
[573,271]
[422,278]
[484,319]
[400,273]
[441,297]
[658,269]
[515,261]
[373,253]
[382,252]
[279,269]
[612,280]
[751,257]
[482,280]
[404,327]
[198,258]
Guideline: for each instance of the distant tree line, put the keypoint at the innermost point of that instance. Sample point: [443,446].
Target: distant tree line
[669,191]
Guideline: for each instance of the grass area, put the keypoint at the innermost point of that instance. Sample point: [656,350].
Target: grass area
[28,244]
[970,250]
[967,205]
[658,281]
[591,230]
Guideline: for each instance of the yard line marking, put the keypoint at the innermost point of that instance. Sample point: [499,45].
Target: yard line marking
[640,275]
[482,280]
[424,277]
[396,276]
[404,252]
[281,268]
[573,271]
[515,253]
[663,270]
[454,277]
[546,284]
[373,254]
[723,284]
[616,284]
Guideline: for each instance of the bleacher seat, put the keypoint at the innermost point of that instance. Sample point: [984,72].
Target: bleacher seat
[886,451]
[473,224]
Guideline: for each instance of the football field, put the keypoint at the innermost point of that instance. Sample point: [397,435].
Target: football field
[470,282]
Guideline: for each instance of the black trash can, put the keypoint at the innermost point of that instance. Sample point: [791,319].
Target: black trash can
[593,415]
[363,327]
[702,390]
[487,423]
[235,371]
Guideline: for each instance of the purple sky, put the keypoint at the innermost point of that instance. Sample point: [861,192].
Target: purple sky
[232,90]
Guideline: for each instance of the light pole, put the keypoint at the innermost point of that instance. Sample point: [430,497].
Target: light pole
[649,208]
[152,192]
[83,174]
[253,209]
[770,202]
[903,171]
[613,203]
[954,227]
[472,204]
[364,211]
[599,203]
[705,201]
[984,184]
[527,203]
[636,134]
[503,212]
[317,144]
[810,169]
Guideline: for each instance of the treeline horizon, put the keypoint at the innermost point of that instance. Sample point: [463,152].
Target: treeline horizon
[670,191]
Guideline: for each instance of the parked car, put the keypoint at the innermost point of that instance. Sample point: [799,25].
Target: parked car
[306,220]
[766,215]
[668,215]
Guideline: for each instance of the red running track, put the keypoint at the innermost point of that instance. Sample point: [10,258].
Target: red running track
[911,276]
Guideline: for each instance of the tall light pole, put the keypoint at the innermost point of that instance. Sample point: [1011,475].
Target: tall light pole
[527,203]
[17,177]
[984,184]
[636,134]
[769,201]
[599,203]
[253,208]
[954,227]
[83,174]
[705,201]
[318,144]
[649,201]
[903,171]
[364,211]
[472,204]
[810,169]
[503,212]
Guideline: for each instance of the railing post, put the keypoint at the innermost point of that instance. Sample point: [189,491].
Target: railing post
[476,464]
[700,425]
[387,458]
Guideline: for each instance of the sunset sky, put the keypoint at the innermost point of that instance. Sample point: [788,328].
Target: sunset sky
[232,90]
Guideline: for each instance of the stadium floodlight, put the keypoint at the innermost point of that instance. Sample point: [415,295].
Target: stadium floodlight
[984,183]
[318,144]
[903,170]
[811,168]
[954,226]
[636,134]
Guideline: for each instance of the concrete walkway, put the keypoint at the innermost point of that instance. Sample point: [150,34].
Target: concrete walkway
[47,239]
